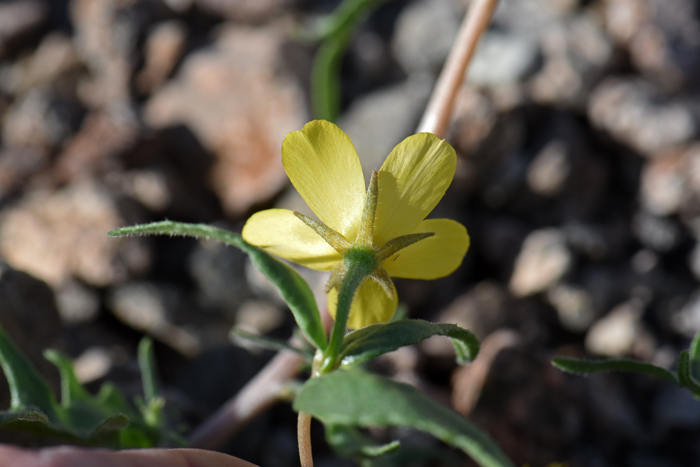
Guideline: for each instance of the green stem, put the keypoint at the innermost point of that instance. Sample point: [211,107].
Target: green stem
[357,271]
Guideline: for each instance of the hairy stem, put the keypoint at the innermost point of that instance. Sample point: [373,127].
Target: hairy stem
[356,273]
[304,439]
[437,114]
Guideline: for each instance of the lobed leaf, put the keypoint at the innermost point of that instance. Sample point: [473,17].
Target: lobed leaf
[357,398]
[295,290]
[574,365]
[369,342]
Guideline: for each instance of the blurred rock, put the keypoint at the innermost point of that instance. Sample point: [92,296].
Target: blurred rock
[244,11]
[694,261]
[148,308]
[549,169]
[576,54]
[482,310]
[621,333]
[623,18]
[666,46]
[54,236]
[97,148]
[574,306]
[381,119]
[106,35]
[77,303]
[240,113]
[219,273]
[39,119]
[53,59]
[16,166]
[544,259]
[658,233]
[686,321]
[92,364]
[635,113]
[259,317]
[502,60]
[164,47]
[19,20]
[417,44]
[662,189]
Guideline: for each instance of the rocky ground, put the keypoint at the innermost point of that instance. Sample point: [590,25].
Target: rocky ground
[578,180]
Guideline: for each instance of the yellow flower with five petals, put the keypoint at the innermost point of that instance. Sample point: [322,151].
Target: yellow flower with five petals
[388,220]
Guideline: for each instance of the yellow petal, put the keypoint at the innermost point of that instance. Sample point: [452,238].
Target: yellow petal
[412,181]
[371,305]
[433,257]
[281,233]
[323,166]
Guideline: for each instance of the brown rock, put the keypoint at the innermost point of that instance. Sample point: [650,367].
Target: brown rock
[637,114]
[244,11]
[18,164]
[55,235]
[96,147]
[662,188]
[239,103]
[164,47]
[19,19]
[54,58]
[543,260]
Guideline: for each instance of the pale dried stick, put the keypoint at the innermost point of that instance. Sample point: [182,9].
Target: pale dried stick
[436,117]
[258,395]
[304,439]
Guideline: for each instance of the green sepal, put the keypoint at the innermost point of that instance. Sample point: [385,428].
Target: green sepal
[578,366]
[357,398]
[369,342]
[294,289]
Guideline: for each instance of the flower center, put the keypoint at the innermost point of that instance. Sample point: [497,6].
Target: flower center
[362,252]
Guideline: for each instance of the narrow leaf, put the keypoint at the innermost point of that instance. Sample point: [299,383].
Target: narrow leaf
[355,397]
[375,451]
[684,374]
[573,365]
[27,388]
[369,342]
[149,371]
[267,342]
[71,389]
[295,290]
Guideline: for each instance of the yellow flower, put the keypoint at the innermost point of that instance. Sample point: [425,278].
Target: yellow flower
[323,166]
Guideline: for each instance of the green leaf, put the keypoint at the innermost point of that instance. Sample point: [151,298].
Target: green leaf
[367,343]
[573,365]
[27,387]
[295,290]
[694,354]
[71,389]
[355,397]
[684,374]
[149,372]
[336,32]
[267,343]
